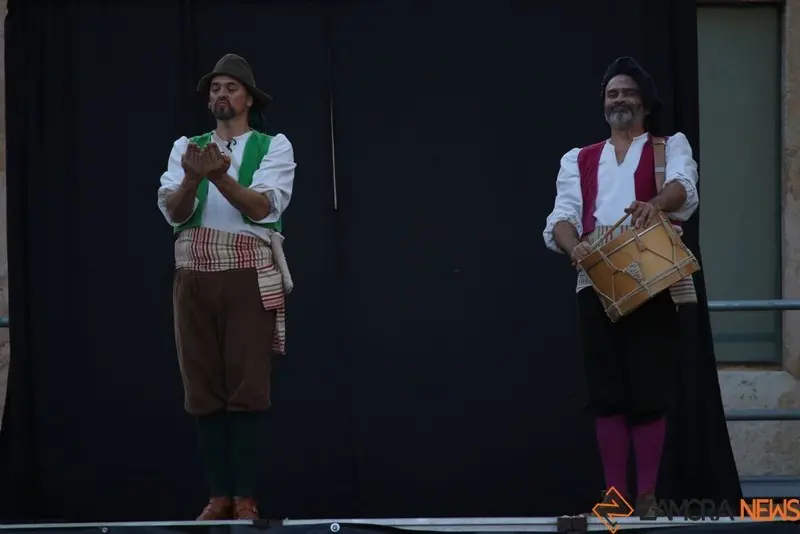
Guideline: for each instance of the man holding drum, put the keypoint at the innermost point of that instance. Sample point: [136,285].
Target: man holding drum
[627,363]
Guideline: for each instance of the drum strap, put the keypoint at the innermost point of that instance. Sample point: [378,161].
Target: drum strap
[660,157]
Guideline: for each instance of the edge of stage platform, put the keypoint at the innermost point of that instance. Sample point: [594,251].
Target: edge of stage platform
[484,524]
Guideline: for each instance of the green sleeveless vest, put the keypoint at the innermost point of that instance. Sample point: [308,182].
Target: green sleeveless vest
[254,151]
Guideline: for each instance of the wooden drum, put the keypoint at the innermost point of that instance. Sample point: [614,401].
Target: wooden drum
[637,265]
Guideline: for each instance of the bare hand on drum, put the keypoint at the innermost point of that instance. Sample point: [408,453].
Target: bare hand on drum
[580,251]
[643,214]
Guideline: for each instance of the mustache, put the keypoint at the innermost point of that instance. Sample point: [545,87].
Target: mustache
[620,107]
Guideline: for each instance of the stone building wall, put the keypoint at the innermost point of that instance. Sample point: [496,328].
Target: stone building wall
[773,448]
[766,448]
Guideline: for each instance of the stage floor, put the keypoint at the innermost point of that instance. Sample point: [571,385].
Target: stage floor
[571,525]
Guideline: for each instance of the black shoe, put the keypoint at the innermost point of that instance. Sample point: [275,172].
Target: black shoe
[647,507]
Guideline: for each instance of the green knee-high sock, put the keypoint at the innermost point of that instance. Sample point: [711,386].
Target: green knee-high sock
[213,439]
[247,450]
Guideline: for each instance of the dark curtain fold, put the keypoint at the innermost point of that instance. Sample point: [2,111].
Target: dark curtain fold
[462,324]
[95,428]
[432,356]
[18,481]
[89,102]
[699,460]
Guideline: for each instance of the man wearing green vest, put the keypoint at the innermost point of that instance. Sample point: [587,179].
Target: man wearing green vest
[224,194]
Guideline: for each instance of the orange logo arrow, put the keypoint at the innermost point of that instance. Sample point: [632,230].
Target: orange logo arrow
[613,506]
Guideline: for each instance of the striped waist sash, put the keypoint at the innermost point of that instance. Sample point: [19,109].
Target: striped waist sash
[209,250]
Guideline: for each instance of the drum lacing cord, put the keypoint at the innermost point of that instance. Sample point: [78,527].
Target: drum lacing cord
[633,270]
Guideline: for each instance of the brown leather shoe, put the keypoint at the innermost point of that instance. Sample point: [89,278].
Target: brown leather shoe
[217,509]
[245,508]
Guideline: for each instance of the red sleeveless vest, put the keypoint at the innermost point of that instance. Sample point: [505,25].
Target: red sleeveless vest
[588,163]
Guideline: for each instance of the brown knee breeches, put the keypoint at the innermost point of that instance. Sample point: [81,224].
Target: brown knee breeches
[224,340]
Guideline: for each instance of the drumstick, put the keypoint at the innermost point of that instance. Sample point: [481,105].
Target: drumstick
[610,231]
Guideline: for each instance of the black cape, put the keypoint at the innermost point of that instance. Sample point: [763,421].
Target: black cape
[698,461]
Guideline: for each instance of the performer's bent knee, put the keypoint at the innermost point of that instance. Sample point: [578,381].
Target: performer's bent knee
[607,408]
[202,405]
[255,408]
[638,417]
[252,404]
[635,413]
[250,395]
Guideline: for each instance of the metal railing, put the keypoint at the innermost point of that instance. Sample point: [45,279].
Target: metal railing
[718,306]
[753,305]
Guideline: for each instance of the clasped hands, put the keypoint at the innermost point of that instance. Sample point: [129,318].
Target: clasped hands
[207,162]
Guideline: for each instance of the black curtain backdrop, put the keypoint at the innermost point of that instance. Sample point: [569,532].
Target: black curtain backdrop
[432,367]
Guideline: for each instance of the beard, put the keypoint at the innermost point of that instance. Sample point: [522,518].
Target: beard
[621,116]
[224,113]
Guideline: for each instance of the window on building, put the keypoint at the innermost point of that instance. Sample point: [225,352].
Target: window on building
[740,173]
